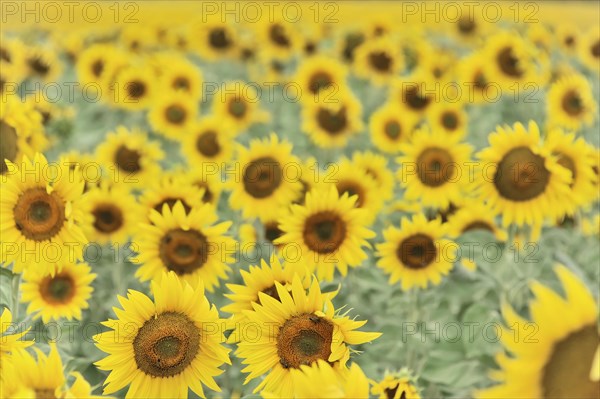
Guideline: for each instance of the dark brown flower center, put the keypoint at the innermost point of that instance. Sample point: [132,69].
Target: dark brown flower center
[175,114]
[8,145]
[171,201]
[207,144]
[351,43]
[569,41]
[414,99]
[237,108]
[572,104]
[38,215]
[272,231]
[39,66]
[567,162]
[166,344]
[449,120]
[352,188]
[181,83]
[333,122]
[320,80]
[435,166]
[108,218]
[278,36]
[324,232]
[571,360]
[208,196]
[521,175]
[595,49]
[262,177]
[392,130]
[416,251]
[5,55]
[272,292]
[128,160]
[183,251]
[478,225]
[97,68]
[304,339]
[217,38]
[59,289]
[381,61]
[310,48]
[479,81]
[509,63]
[135,89]
[466,25]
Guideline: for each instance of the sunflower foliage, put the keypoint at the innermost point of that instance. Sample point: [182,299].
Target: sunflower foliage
[335,205]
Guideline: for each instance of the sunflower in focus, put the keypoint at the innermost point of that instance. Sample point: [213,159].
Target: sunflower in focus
[333,118]
[129,157]
[520,179]
[398,385]
[135,86]
[238,103]
[300,328]
[209,141]
[54,296]
[574,154]
[318,73]
[163,347]
[192,244]
[321,380]
[378,60]
[416,254]
[40,211]
[173,115]
[328,230]
[112,214]
[262,185]
[566,346]
[450,118]
[433,168]
[570,103]
[389,128]
[21,131]
[261,279]
[214,40]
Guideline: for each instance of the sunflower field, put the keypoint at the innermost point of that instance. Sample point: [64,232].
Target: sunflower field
[311,199]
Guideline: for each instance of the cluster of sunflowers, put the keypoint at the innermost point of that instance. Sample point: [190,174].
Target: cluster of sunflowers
[155,176]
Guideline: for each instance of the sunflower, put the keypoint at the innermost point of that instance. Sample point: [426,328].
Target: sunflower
[512,60]
[264,181]
[416,254]
[214,39]
[42,63]
[129,157]
[321,380]
[565,347]
[64,294]
[377,167]
[438,63]
[378,60]
[135,86]
[164,347]
[575,155]
[209,141]
[10,343]
[474,215]
[414,94]
[40,212]
[44,377]
[520,179]
[318,73]
[190,244]
[298,329]
[279,37]
[210,182]
[434,168]
[81,389]
[137,38]
[389,128]
[398,385]
[476,81]
[238,103]
[182,76]
[571,103]
[333,117]
[567,36]
[112,214]
[328,230]
[348,43]
[98,63]
[12,58]
[21,130]
[589,51]
[262,279]
[173,115]
[450,118]
[356,181]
